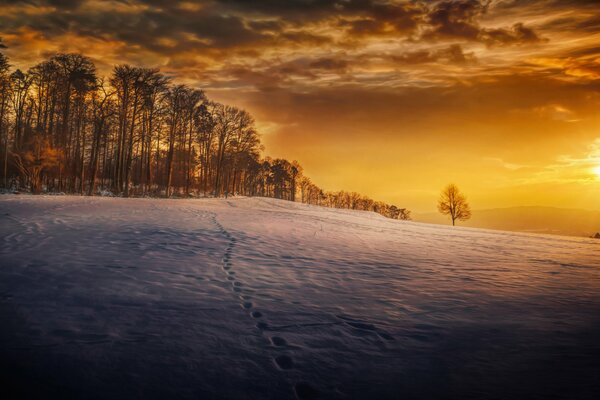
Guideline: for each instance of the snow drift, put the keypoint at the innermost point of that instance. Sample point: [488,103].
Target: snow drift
[260,298]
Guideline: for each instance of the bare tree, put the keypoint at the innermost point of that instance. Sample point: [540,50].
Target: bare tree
[5,96]
[20,87]
[226,118]
[102,110]
[453,203]
[176,102]
[155,87]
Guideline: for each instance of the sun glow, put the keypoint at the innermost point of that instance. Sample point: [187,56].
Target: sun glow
[596,170]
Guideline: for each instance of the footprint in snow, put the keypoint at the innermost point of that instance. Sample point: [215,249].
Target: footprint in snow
[247,305]
[262,326]
[284,361]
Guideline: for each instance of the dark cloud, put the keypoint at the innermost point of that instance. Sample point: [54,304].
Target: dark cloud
[282,74]
[452,54]
[145,28]
[303,10]
[207,26]
[302,37]
[461,20]
[455,19]
[587,51]
[222,27]
[547,4]
[330,64]
[590,24]
[62,4]
[518,34]
[266,26]
[363,27]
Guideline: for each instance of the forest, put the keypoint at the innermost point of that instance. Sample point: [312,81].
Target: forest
[136,133]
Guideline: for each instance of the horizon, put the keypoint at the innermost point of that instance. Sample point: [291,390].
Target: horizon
[367,95]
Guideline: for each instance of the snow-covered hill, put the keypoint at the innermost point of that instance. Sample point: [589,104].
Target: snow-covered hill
[260,298]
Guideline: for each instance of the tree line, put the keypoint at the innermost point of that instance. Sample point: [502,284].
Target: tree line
[137,133]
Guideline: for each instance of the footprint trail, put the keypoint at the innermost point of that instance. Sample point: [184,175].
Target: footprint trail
[284,362]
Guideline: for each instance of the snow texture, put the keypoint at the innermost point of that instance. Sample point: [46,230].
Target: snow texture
[259,298]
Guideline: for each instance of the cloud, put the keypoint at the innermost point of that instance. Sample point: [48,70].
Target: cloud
[329,64]
[455,20]
[518,34]
[584,68]
[556,112]
[568,168]
[461,20]
[506,165]
[451,54]
[63,4]
[218,26]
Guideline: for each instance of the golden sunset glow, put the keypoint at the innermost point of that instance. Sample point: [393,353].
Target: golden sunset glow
[393,99]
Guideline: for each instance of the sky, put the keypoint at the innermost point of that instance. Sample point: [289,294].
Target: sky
[392,99]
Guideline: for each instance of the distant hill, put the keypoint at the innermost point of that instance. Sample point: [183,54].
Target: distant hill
[535,219]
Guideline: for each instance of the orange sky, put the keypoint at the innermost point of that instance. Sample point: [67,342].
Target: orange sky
[393,99]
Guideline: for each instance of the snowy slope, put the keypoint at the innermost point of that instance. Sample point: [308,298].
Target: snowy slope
[260,298]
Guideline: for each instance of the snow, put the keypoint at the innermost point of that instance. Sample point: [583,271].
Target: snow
[262,298]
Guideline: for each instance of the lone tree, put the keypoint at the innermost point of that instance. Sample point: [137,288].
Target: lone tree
[453,203]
